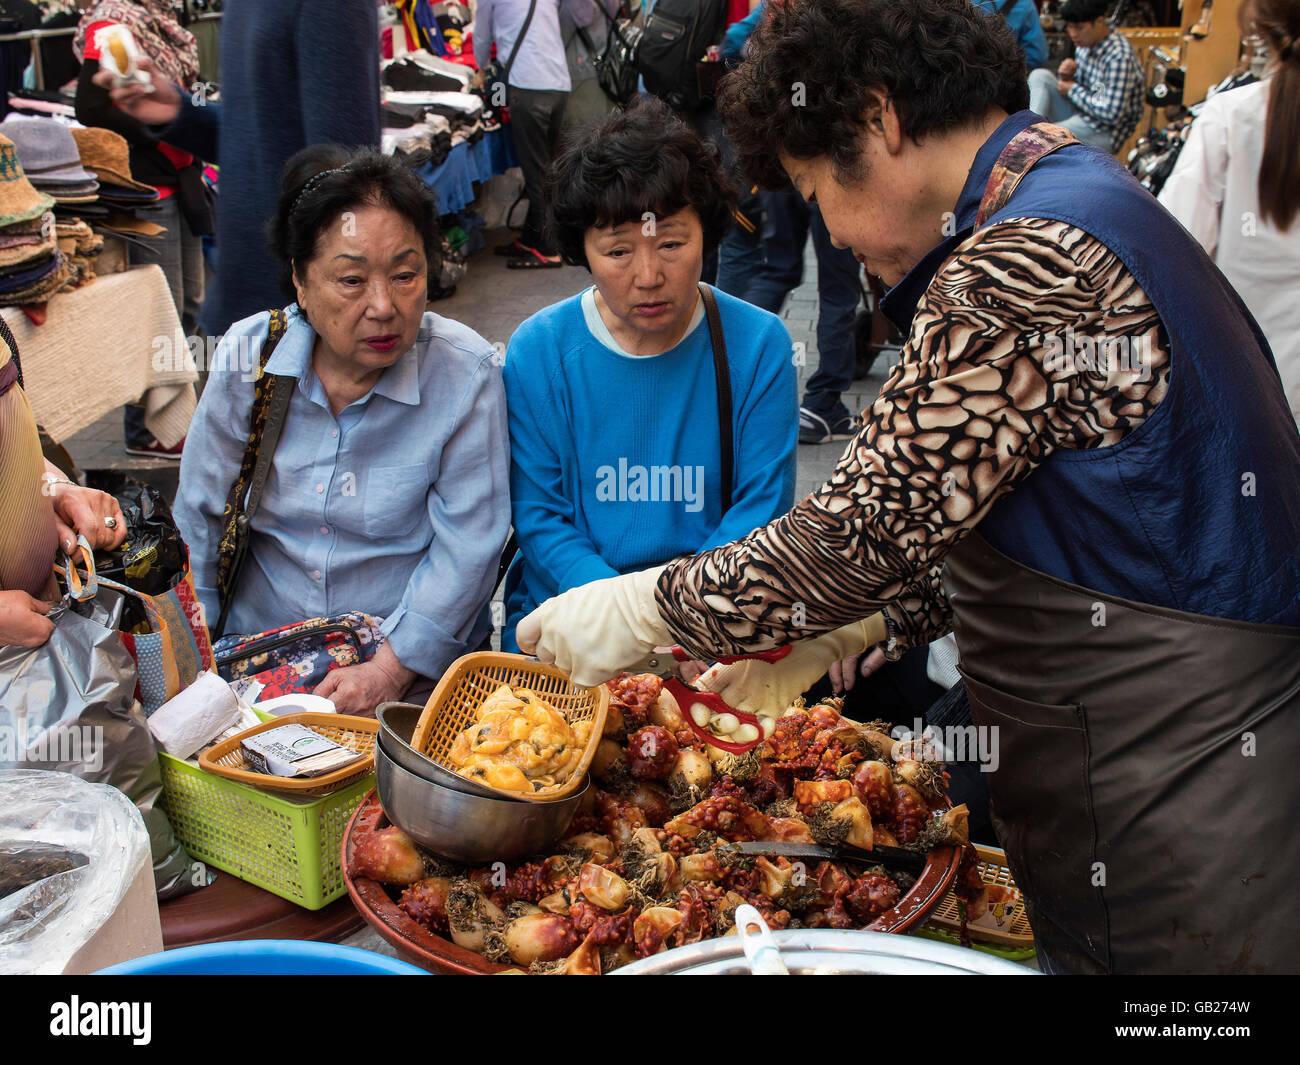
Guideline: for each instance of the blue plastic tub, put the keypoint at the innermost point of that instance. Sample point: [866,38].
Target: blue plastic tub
[265,957]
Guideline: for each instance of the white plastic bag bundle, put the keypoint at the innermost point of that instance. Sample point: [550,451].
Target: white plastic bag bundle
[52,821]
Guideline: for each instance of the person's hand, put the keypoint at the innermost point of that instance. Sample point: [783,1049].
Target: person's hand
[768,688]
[359,689]
[1067,70]
[844,673]
[84,512]
[1064,87]
[22,620]
[598,630]
[156,104]
[690,671]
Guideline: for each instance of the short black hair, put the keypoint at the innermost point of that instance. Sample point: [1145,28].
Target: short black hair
[322,181]
[802,89]
[1083,10]
[640,159]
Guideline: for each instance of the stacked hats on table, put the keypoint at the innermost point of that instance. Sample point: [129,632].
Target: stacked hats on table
[48,153]
[50,159]
[108,156]
[31,267]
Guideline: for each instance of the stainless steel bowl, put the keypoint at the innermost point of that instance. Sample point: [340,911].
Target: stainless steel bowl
[397,723]
[825,952]
[468,828]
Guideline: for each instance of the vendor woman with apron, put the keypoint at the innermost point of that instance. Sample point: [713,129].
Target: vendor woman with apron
[1083,465]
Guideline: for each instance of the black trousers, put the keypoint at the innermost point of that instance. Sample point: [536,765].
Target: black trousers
[535,119]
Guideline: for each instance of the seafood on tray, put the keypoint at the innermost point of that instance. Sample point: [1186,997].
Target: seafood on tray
[644,866]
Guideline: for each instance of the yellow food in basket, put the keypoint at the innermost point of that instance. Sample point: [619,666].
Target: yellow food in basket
[519,742]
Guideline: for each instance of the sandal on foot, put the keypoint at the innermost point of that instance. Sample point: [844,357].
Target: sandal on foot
[514,249]
[534,260]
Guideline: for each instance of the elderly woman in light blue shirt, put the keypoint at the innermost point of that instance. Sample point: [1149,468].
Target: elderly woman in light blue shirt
[388,493]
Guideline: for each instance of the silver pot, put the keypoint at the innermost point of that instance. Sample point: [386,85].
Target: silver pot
[825,952]
[468,828]
[397,723]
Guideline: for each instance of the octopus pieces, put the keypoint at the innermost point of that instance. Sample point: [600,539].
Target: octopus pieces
[620,887]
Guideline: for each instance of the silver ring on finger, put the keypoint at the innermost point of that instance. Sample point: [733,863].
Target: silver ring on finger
[110,522]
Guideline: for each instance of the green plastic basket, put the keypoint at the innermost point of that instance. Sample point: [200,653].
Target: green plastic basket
[289,847]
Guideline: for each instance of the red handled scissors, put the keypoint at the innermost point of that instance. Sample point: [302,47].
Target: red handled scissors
[664,665]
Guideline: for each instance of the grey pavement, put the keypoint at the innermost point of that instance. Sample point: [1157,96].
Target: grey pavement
[493,300]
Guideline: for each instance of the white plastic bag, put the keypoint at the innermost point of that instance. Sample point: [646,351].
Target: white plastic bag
[65,821]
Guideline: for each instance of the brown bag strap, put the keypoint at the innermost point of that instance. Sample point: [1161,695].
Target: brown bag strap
[722,373]
[271,396]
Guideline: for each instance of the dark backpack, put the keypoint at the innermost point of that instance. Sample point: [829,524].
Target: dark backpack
[677,33]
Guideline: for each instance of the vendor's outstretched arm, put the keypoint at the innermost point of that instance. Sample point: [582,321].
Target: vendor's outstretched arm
[971,409]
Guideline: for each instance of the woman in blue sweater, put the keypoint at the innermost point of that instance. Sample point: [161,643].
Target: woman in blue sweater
[616,448]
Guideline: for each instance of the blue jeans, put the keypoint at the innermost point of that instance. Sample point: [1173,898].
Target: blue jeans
[787,222]
[1046,99]
[740,257]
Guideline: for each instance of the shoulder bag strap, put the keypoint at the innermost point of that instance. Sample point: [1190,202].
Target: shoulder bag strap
[523,32]
[722,372]
[271,397]
[12,344]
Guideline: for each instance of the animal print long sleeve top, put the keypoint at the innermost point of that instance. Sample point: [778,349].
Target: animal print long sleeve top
[1032,336]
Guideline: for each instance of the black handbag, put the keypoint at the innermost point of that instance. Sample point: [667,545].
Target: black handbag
[616,71]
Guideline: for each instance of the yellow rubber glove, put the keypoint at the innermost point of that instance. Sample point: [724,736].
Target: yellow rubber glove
[598,630]
[768,688]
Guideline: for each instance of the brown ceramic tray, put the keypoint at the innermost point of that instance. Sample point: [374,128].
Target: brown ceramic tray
[437,954]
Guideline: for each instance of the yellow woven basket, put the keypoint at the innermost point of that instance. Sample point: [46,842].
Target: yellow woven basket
[226,759]
[993,870]
[454,704]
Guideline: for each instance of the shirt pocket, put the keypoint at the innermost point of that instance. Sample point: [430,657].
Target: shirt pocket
[396,500]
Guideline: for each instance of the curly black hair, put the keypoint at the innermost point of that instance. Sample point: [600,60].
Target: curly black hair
[322,181]
[1083,10]
[803,88]
[639,159]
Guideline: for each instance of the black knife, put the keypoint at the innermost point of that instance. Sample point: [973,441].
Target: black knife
[890,857]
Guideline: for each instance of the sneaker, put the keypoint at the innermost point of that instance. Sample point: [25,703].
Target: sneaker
[155,450]
[814,429]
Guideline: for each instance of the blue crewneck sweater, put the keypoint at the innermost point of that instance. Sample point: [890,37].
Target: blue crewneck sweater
[615,459]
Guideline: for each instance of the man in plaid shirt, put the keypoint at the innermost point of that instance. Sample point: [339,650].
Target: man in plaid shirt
[1098,95]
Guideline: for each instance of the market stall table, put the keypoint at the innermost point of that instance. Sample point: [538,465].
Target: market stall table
[453,179]
[105,344]
[233,909]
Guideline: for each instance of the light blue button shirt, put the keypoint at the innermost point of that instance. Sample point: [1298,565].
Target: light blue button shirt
[540,63]
[398,507]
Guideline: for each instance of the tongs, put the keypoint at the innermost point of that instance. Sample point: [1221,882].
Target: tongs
[664,665]
[898,858]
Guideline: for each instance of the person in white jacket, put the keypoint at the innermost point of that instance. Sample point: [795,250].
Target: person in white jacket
[1236,186]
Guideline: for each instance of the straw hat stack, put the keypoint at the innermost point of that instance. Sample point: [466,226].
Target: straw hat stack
[32,268]
[107,155]
[48,153]
[50,159]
